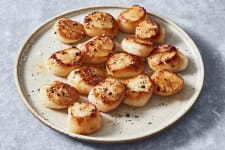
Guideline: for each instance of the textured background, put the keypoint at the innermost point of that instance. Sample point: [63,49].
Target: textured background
[202,128]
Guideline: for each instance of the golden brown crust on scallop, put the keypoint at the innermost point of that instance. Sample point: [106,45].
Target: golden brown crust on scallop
[88,108]
[91,75]
[138,90]
[84,118]
[133,14]
[104,90]
[166,82]
[124,65]
[69,31]
[130,18]
[141,85]
[60,94]
[61,57]
[151,31]
[97,49]
[100,23]
[85,78]
[62,62]
[107,95]
[167,57]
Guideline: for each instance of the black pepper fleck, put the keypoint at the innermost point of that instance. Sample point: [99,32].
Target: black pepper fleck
[127,114]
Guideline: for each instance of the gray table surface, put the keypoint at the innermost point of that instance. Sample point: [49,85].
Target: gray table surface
[202,128]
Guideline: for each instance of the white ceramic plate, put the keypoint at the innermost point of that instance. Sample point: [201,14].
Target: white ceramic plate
[125,123]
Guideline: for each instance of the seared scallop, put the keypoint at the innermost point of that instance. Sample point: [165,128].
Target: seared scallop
[151,31]
[84,118]
[58,95]
[97,49]
[139,47]
[62,62]
[167,57]
[107,95]
[130,18]
[100,23]
[68,31]
[138,90]
[85,78]
[124,65]
[166,82]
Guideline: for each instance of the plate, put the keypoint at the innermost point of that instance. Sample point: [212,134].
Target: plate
[125,123]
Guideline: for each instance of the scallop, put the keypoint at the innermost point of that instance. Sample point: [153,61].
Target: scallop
[138,90]
[167,57]
[107,95]
[150,31]
[68,31]
[84,118]
[97,49]
[166,82]
[100,23]
[124,65]
[58,95]
[62,62]
[85,78]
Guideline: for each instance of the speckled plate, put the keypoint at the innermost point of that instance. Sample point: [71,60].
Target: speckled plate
[125,123]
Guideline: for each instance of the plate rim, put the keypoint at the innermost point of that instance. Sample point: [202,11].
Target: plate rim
[85,137]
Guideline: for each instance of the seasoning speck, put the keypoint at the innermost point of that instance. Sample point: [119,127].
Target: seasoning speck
[127,114]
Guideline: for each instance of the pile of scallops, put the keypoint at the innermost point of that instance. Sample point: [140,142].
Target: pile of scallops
[122,79]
